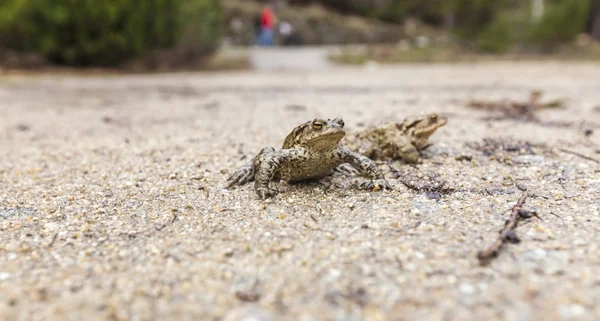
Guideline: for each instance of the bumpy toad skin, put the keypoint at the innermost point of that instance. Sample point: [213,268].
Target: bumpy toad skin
[397,141]
[309,152]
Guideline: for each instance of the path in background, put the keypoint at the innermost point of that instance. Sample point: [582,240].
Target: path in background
[303,58]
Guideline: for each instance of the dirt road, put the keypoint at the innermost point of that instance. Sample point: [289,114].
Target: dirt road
[112,206]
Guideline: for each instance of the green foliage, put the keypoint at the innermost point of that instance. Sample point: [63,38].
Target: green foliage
[562,22]
[12,28]
[491,25]
[498,36]
[394,11]
[106,32]
[202,23]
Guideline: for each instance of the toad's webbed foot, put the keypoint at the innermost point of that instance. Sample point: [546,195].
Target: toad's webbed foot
[376,185]
[241,176]
[246,173]
[264,192]
[367,168]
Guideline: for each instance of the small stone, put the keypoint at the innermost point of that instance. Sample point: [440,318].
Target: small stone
[467,288]
[23,127]
[4,276]
[248,313]
[464,157]
[570,311]
[528,159]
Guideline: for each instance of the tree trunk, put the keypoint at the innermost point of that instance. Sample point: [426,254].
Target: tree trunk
[593,27]
[537,10]
[449,20]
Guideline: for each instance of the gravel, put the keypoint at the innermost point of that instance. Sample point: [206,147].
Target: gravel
[112,206]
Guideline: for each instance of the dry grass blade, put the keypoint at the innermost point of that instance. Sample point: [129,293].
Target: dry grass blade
[525,110]
[580,155]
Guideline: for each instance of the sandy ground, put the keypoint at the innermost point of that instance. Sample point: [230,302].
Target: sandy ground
[112,206]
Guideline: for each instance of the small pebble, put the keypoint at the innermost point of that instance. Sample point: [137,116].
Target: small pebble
[467,288]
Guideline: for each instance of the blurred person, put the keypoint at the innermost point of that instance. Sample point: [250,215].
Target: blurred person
[267,25]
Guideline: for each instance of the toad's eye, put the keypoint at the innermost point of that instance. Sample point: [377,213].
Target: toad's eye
[317,125]
[433,117]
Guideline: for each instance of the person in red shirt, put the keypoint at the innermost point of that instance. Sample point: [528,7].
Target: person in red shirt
[267,25]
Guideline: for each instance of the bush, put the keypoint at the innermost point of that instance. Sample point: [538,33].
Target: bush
[562,22]
[498,37]
[106,32]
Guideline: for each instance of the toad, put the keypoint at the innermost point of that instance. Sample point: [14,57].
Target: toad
[397,141]
[311,151]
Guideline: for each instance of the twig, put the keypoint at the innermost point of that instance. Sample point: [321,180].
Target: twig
[571,197]
[363,227]
[410,185]
[507,233]
[335,236]
[580,155]
[539,196]
[206,192]
[159,228]
[556,215]
[53,240]
[147,231]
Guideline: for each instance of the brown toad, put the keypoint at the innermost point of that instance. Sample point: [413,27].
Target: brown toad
[309,152]
[397,140]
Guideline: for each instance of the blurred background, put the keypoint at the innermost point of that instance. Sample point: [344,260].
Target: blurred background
[223,34]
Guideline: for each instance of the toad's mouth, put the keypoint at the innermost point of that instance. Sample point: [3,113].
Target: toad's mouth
[429,129]
[329,136]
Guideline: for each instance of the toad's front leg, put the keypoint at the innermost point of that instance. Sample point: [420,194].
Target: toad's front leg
[366,167]
[269,165]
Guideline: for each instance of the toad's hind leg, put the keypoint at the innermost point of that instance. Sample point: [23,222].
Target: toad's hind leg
[247,172]
[366,167]
[409,153]
[365,148]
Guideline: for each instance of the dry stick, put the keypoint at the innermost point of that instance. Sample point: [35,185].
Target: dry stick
[53,240]
[493,250]
[580,155]
[171,221]
[408,184]
[156,228]
[321,230]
